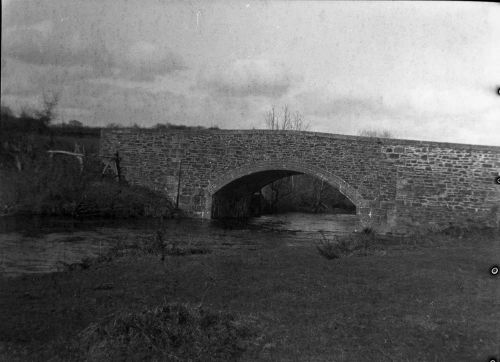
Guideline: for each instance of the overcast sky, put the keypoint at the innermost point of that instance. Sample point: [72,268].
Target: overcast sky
[420,70]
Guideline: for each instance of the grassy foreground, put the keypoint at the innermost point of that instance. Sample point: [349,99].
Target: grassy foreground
[420,299]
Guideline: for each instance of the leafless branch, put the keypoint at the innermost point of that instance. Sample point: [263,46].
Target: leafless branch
[286,121]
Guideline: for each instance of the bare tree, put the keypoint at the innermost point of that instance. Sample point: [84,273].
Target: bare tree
[286,120]
[283,121]
[113,125]
[49,103]
[375,133]
[319,187]
[280,189]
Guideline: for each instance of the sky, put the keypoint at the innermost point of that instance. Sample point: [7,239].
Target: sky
[421,70]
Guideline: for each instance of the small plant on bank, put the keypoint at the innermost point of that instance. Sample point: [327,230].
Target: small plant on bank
[368,236]
[342,246]
[329,248]
[169,332]
[157,244]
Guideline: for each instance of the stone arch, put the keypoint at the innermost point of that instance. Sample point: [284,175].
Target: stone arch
[231,175]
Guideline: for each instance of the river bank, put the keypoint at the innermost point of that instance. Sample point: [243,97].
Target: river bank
[56,170]
[32,182]
[423,298]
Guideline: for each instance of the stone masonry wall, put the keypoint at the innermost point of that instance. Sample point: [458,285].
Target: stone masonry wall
[393,183]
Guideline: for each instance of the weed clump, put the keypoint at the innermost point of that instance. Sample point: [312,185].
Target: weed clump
[357,244]
[329,248]
[168,332]
[157,244]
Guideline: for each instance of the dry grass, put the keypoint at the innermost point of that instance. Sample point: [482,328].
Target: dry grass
[168,332]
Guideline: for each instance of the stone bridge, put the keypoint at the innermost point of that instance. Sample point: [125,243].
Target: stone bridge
[394,184]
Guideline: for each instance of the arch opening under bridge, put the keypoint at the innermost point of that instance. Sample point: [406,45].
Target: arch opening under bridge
[230,196]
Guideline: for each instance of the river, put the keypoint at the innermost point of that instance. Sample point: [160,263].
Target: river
[43,245]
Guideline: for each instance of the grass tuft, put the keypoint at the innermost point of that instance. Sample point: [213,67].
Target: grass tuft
[328,248]
[168,332]
[336,247]
[342,246]
[158,244]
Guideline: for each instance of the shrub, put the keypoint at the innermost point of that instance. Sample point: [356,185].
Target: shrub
[168,332]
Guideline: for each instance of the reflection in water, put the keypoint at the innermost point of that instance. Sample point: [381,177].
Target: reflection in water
[39,245]
[308,223]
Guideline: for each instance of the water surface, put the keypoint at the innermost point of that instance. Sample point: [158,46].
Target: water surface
[43,245]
